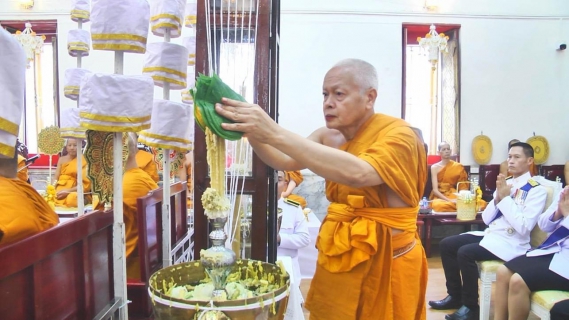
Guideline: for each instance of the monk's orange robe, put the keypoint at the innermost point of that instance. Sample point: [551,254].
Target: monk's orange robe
[22,169]
[24,212]
[296,176]
[145,161]
[447,178]
[363,271]
[68,179]
[136,183]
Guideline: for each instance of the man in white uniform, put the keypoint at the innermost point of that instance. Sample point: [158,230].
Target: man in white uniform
[510,216]
[293,228]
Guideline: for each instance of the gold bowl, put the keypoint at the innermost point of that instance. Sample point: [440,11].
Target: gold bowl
[271,305]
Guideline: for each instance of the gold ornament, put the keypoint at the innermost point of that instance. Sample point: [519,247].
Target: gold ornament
[50,141]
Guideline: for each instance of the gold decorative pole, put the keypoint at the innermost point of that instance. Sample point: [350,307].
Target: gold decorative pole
[434,43]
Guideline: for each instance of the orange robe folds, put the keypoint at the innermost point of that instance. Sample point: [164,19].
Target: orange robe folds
[68,179]
[447,178]
[24,211]
[363,271]
[136,183]
[145,161]
[22,169]
[296,176]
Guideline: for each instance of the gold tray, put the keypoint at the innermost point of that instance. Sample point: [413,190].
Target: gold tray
[482,149]
[540,149]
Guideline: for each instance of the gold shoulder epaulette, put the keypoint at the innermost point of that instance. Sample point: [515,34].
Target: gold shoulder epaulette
[533,183]
[510,177]
[292,202]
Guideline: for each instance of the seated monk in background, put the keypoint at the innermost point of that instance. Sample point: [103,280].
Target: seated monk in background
[66,177]
[294,179]
[24,211]
[145,161]
[136,183]
[448,173]
[504,165]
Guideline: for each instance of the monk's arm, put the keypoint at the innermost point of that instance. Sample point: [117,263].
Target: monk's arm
[327,162]
[434,181]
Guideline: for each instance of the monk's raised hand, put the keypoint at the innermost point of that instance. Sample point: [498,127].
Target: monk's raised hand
[503,190]
[250,119]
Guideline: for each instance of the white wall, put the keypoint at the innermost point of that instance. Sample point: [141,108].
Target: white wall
[514,82]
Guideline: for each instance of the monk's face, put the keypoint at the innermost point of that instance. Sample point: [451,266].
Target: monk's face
[282,184]
[71,147]
[444,151]
[345,103]
[518,162]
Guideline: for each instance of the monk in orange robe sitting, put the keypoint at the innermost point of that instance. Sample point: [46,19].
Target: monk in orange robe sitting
[24,211]
[504,165]
[448,173]
[371,264]
[136,183]
[66,177]
[294,179]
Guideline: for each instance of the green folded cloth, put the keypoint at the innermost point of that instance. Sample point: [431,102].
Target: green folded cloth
[208,92]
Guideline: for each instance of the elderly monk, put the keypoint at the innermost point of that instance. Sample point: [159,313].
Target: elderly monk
[448,173]
[185,174]
[504,165]
[136,183]
[294,179]
[66,176]
[145,161]
[371,264]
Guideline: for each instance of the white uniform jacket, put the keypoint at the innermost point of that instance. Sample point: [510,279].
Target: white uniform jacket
[560,262]
[509,235]
[294,234]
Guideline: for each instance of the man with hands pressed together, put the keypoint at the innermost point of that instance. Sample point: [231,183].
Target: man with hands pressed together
[518,202]
[544,268]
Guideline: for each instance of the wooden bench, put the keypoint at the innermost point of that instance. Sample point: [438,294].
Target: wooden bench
[149,210]
[65,272]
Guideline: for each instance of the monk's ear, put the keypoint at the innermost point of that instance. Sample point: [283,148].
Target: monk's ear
[371,95]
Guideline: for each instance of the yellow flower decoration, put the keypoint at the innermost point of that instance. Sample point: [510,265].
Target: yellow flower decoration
[419,39]
[441,34]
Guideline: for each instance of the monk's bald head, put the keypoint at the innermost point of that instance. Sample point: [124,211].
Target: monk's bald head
[363,73]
